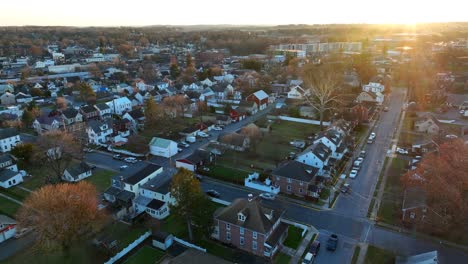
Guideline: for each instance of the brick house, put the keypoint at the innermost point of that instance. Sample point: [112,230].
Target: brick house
[297,178]
[251,226]
[260,98]
[89,112]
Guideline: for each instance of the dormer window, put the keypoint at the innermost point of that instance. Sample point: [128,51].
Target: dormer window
[241,217]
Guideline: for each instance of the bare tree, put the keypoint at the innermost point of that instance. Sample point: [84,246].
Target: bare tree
[323,83]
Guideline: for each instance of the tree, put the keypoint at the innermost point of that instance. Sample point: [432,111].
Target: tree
[61,103]
[154,113]
[323,83]
[137,144]
[94,70]
[56,150]
[202,107]
[62,214]
[87,93]
[175,104]
[253,133]
[174,71]
[444,177]
[364,67]
[251,64]
[24,152]
[191,203]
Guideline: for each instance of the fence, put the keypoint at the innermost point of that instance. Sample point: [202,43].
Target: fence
[187,244]
[296,224]
[299,120]
[216,200]
[123,151]
[131,246]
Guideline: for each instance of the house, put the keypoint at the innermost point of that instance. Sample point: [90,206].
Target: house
[123,87]
[155,195]
[260,98]
[206,94]
[46,123]
[237,115]
[427,124]
[8,162]
[234,141]
[71,115]
[333,139]
[7,228]
[249,107]
[6,88]
[251,226]
[136,117]
[299,179]
[373,87]
[142,86]
[222,90]
[8,99]
[104,110]
[223,120]
[9,138]
[10,178]
[207,82]
[162,147]
[22,98]
[77,172]
[89,112]
[99,131]
[316,155]
[195,256]
[120,105]
[431,257]
[197,159]
[297,92]
[371,97]
[133,182]
[162,240]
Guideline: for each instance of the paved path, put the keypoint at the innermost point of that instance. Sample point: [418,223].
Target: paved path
[11,199]
[288,251]
[24,188]
[303,246]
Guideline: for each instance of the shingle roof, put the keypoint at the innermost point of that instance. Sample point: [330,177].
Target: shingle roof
[70,112]
[155,204]
[160,142]
[136,114]
[141,174]
[8,132]
[296,170]
[102,106]
[256,215]
[88,109]
[6,174]
[78,169]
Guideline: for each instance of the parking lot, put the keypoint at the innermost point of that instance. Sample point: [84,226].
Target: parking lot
[344,251]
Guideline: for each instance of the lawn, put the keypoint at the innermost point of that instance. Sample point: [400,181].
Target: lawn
[8,207]
[227,174]
[390,206]
[37,179]
[145,255]
[377,255]
[124,234]
[294,237]
[282,258]
[101,179]
[15,193]
[357,250]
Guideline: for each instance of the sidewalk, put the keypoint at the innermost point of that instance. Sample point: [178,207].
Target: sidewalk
[303,246]
[11,199]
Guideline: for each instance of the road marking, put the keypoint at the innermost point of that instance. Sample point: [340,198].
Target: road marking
[367,233]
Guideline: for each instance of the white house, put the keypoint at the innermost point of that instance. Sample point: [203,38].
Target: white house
[142,86]
[297,92]
[373,87]
[120,105]
[99,132]
[9,138]
[333,139]
[207,82]
[377,98]
[7,228]
[77,172]
[122,87]
[104,110]
[316,156]
[133,182]
[163,147]
[10,178]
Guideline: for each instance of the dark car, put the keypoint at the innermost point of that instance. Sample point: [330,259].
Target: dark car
[315,247]
[332,242]
[213,193]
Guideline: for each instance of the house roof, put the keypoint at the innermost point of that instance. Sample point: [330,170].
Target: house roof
[321,150]
[8,132]
[141,174]
[95,125]
[194,256]
[102,106]
[261,95]
[160,142]
[162,183]
[5,158]
[6,174]
[430,257]
[414,197]
[78,169]
[88,109]
[70,112]
[259,218]
[155,204]
[296,170]
[5,220]
[136,114]
[198,156]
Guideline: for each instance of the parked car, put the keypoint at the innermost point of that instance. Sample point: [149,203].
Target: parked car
[362,154]
[451,136]
[199,177]
[372,135]
[315,247]
[355,168]
[117,157]
[213,193]
[401,151]
[353,174]
[308,259]
[345,188]
[370,141]
[130,160]
[217,128]
[267,196]
[191,139]
[184,144]
[332,242]
[385,109]
[358,162]
[123,167]
[203,134]
[179,150]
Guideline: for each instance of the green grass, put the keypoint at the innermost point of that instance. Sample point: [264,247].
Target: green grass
[15,193]
[124,234]
[8,207]
[37,179]
[325,193]
[294,237]
[357,250]
[377,255]
[282,258]
[227,174]
[101,179]
[390,206]
[217,249]
[145,255]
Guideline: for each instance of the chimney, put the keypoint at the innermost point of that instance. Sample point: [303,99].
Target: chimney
[250,197]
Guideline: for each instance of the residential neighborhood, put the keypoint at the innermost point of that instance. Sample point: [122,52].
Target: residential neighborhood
[216,145]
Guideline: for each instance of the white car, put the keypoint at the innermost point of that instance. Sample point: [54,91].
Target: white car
[462,112]
[358,162]
[203,134]
[123,167]
[451,136]
[184,144]
[353,174]
[130,160]
[402,151]
[217,128]
[267,196]
[372,135]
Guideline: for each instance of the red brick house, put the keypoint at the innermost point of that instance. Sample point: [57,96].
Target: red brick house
[236,115]
[89,112]
[299,179]
[251,226]
[260,98]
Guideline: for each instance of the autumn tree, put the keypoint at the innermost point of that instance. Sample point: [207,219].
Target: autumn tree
[253,132]
[137,144]
[175,104]
[62,214]
[202,108]
[363,65]
[444,177]
[87,93]
[94,70]
[61,103]
[24,152]
[154,113]
[323,83]
[191,203]
[174,71]
[56,150]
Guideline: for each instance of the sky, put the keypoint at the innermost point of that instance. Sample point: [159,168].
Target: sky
[240,12]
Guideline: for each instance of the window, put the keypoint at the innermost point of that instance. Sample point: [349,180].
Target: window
[254,235]
[412,215]
[300,190]
[301,183]
[228,235]
[241,217]
[241,241]
[277,178]
[289,180]
[228,226]
[289,188]
[241,230]
[254,245]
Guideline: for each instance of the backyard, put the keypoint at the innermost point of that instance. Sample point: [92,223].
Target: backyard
[282,258]
[8,207]
[377,255]
[145,255]
[101,179]
[294,237]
